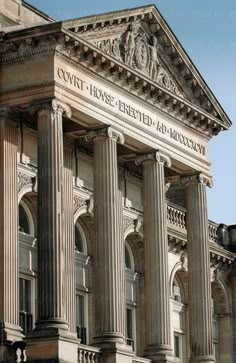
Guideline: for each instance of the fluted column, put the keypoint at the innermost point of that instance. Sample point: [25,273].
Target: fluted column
[156,258]
[70,288]
[51,246]
[109,250]
[52,340]
[9,249]
[200,311]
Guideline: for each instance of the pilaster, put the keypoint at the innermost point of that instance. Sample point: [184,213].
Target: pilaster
[200,311]
[9,249]
[156,258]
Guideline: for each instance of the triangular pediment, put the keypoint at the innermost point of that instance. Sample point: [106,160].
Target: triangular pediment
[141,39]
[134,44]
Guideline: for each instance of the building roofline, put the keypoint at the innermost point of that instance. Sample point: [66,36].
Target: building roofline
[37,11]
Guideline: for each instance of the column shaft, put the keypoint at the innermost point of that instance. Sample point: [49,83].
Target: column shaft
[51,250]
[110,294]
[9,248]
[70,288]
[200,312]
[156,260]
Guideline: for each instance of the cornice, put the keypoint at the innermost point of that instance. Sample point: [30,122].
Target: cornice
[170,46]
[80,51]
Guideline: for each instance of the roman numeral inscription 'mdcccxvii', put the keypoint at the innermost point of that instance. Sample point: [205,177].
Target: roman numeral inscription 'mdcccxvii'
[120,106]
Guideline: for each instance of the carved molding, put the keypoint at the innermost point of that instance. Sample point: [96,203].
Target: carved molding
[52,105]
[78,202]
[108,132]
[203,118]
[198,178]
[139,50]
[24,180]
[127,222]
[156,156]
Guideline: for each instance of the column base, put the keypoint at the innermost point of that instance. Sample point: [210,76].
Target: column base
[202,359]
[51,346]
[116,353]
[109,338]
[159,354]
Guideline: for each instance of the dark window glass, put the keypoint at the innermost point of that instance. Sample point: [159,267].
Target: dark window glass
[129,327]
[127,259]
[78,239]
[177,346]
[80,318]
[26,317]
[24,225]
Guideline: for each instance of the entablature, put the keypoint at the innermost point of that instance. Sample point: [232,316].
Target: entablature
[144,30]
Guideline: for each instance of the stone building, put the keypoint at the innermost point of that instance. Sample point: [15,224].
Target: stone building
[107,254]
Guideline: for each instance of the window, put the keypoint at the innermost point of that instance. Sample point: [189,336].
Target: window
[80,318]
[129,327]
[80,239]
[25,295]
[177,347]
[24,224]
[176,291]
[127,259]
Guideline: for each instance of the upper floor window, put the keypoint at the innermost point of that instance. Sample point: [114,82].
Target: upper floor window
[25,222]
[176,293]
[24,225]
[80,239]
[129,260]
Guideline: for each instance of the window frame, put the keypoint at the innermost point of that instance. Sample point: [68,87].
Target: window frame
[28,213]
[33,300]
[85,313]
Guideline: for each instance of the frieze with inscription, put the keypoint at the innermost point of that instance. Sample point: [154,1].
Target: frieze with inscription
[121,106]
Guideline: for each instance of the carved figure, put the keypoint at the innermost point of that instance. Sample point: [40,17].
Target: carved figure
[130,45]
[154,62]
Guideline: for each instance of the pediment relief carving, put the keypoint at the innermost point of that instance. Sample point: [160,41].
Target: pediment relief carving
[136,46]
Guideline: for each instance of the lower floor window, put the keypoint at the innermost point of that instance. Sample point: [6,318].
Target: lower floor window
[80,318]
[177,345]
[25,296]
[130,327]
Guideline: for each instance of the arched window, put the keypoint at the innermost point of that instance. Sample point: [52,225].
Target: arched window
[27,253]
[80,239]
[25,222]
[129,260]
[178,318]
[81,260]
[131,296]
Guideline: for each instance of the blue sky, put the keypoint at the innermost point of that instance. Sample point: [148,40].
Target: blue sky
[207,31]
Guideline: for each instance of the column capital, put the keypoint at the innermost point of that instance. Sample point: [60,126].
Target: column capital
[50,104]
[106,132]
[197,178]
[156,156]
[9,113]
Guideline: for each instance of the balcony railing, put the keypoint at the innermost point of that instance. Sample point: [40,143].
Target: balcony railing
[87,354]
[26,321]
[177,217]
[213,231]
